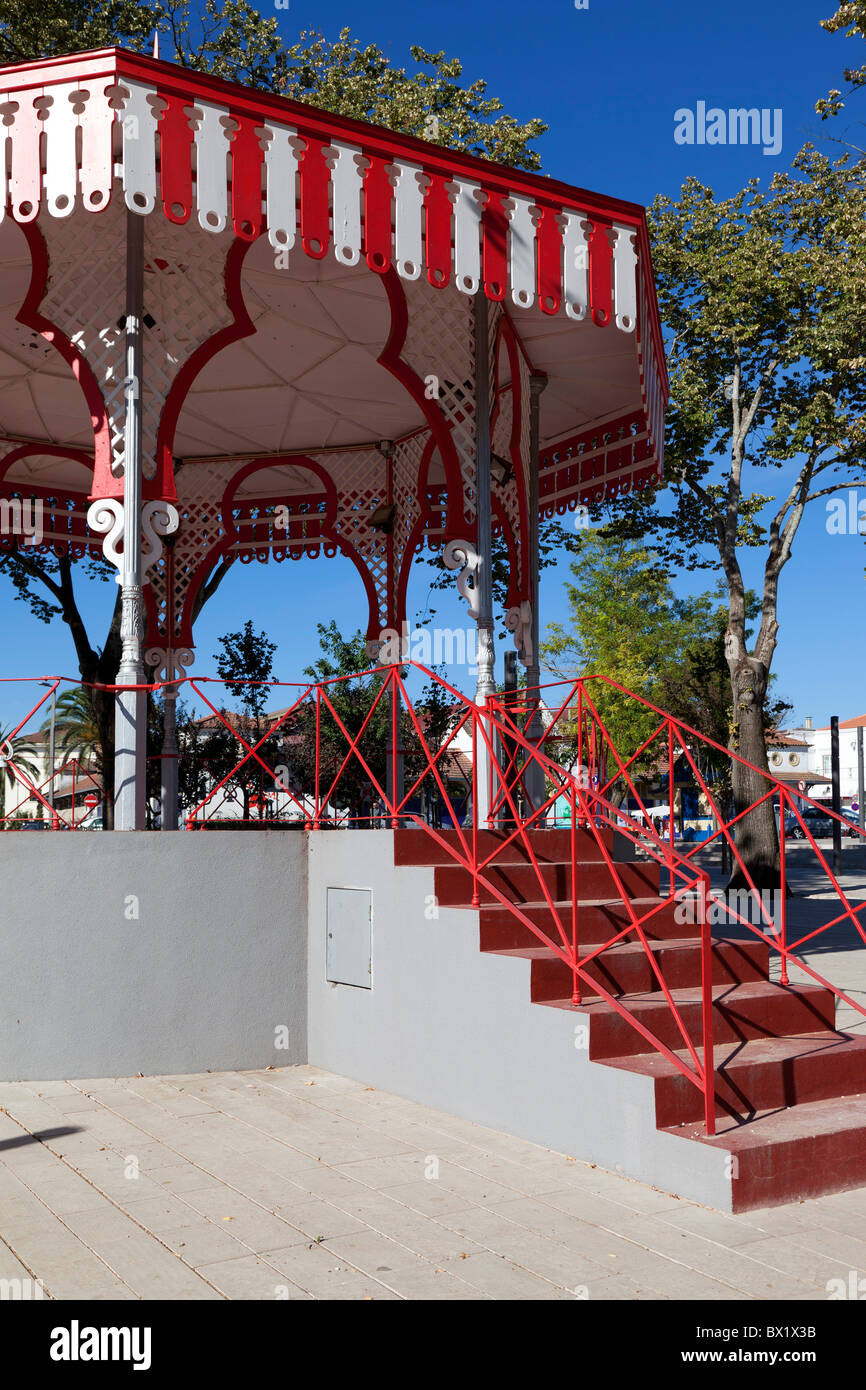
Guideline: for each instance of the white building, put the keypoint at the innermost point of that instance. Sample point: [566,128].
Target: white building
[818,743]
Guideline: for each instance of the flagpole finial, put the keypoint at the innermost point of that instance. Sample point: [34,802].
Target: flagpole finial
[156,43]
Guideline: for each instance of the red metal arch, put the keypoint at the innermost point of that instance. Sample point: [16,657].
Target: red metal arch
[391,357]
[29,314]
[241,326]
[184,636]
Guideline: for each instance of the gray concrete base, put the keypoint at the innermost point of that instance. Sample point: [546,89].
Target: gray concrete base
[148,953]
[448,1026]
[128,953]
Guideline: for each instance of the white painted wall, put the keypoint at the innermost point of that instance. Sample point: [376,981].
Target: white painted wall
[455,1029]
[213,962]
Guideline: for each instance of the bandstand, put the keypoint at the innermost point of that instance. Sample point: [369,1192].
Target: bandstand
[235,328]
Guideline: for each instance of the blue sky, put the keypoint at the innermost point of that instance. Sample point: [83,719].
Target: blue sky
[607,80]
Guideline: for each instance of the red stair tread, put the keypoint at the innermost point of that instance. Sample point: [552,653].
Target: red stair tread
[837,1115]
[733,1055]
[693,995]
[563,905]
[623,947]
[780,1156]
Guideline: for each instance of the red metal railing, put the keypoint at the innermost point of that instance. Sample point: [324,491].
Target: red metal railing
[356,751]
[501,756]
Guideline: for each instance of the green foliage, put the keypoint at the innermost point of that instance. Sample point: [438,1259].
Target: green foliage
[626,624]
[77,732]
[850,16]
[354,704]
[428,100]
[342,75]
[25,757]
[697,688]
[246,664]
[31,29]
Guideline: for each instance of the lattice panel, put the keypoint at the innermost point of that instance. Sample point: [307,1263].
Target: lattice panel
[361,480]
[200,491]
[440,344]
[494,317]
[405,481]
[184,294]
[513,396]
[501,445]
[525,421]
[85,298]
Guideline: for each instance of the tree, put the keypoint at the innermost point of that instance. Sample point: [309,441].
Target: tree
[763,296]
[697,691]
[353,80]
[354,687]
[231,39]
[77,726]
[626,624]
[29,29]
[245,663]
[24,755]
[850,16]
[354,702]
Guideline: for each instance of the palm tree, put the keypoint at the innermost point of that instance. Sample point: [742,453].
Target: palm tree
[25,757]
[77,729]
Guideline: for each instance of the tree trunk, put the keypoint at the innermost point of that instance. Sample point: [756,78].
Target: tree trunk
[755,835]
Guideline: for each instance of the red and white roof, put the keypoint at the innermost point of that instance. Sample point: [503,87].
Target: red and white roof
[88,128]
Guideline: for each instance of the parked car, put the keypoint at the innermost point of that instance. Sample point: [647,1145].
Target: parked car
[820,824]
[853,819]
[30,824]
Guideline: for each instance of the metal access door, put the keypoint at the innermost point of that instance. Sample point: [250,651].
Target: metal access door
[350,940]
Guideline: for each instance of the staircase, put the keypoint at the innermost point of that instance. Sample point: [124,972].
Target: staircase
[790,1104]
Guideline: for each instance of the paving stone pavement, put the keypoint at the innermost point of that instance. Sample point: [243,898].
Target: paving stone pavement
[297,1184]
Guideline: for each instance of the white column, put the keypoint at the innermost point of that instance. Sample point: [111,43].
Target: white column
[130,750]
[169,665]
